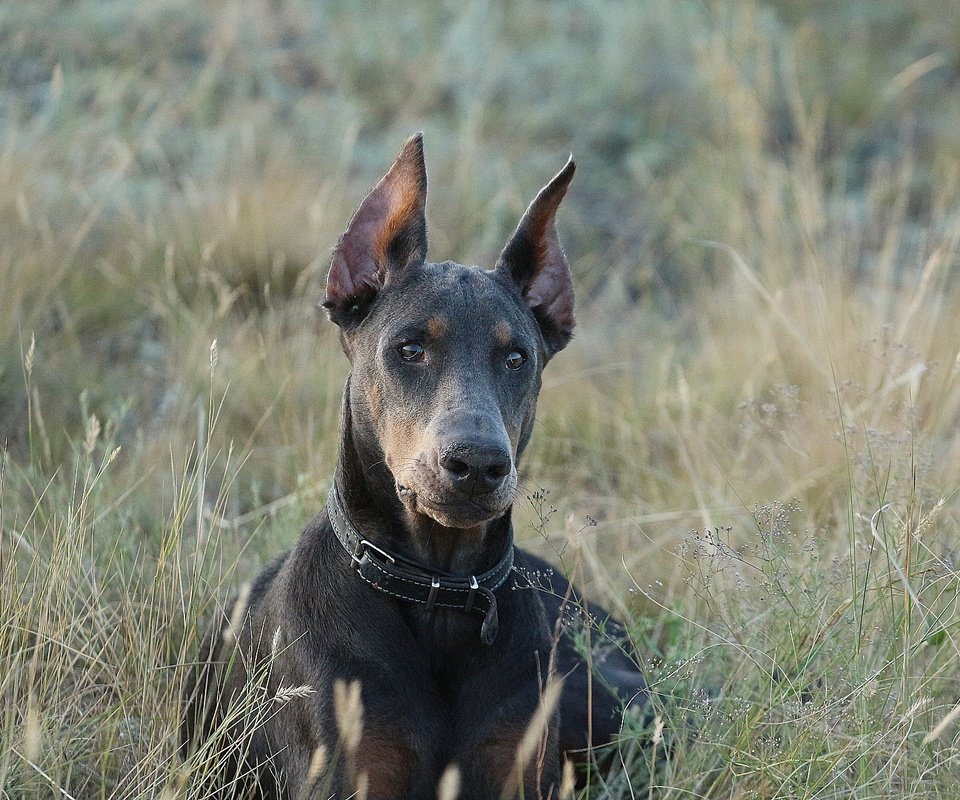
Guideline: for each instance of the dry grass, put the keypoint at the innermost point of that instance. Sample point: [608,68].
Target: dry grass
[758,415]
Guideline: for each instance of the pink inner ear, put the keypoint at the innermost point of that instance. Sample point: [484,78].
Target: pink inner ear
[392,210]
[535,262]
[551,287]
[354,268]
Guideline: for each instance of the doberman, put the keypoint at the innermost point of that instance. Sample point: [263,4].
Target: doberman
[408,581]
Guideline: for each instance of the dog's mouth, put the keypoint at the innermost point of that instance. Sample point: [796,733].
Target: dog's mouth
[453,510]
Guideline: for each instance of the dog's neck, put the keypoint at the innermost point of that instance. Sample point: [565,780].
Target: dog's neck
[369,496]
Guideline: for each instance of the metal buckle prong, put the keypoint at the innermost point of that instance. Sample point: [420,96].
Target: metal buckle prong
[434,587]
[362,546]
[473,590]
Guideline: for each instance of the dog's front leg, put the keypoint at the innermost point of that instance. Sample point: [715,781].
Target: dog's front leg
[518,756]
[519,763]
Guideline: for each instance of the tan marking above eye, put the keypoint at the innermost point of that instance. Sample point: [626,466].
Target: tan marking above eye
[437,326]
[503,333]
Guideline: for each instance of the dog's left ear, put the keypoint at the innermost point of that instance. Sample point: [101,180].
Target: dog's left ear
[387,233]
[535,262]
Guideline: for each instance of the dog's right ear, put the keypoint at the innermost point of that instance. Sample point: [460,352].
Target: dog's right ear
[387,233]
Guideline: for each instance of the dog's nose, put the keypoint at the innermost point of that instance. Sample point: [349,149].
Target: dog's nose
[475,469]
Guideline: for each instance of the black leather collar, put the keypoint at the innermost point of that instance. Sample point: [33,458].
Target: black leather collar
[414,582]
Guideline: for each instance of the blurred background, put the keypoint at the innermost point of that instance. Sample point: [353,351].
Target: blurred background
[764,232]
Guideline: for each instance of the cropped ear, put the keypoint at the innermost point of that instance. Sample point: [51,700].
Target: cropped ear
[387,233]
[534,261]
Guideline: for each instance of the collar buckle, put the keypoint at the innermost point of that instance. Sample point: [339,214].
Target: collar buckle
[361,550]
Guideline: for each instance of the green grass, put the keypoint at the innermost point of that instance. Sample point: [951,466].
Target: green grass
[750,447]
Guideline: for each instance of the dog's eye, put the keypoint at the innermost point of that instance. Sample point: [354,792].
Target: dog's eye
[515,360]
[411,351]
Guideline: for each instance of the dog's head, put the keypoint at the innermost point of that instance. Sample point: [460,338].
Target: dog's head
[446,358]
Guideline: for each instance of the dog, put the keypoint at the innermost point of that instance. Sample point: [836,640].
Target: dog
[408,584]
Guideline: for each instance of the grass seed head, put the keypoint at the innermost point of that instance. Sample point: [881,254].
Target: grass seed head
[448,788]
[348,710]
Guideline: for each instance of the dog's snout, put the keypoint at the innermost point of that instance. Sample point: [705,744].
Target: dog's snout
[475,469]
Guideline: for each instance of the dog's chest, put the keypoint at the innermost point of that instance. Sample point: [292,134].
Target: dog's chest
[449,639]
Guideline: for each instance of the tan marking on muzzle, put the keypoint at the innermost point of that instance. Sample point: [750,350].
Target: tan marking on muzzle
[402,442]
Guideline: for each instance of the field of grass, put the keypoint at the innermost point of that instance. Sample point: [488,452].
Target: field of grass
[750,450]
